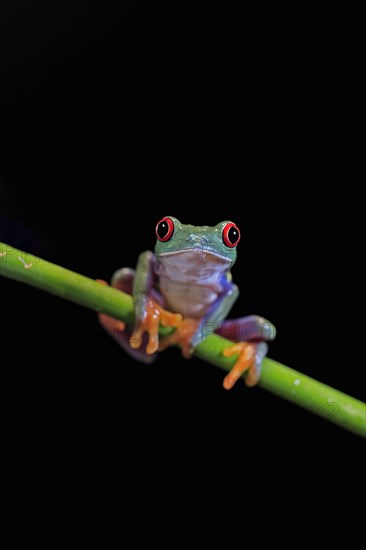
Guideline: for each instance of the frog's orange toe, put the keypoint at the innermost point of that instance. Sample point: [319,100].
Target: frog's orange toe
[169,319]
[111,324]
[154,315]
[228,382]
[102,282]
[246,352]
[150,325]
[182,336]
[136,338]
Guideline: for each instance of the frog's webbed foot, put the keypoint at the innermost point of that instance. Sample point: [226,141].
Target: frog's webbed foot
[153,316]
[250,357]
[118,329]
[182,336]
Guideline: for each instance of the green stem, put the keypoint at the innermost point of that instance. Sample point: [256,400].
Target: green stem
[331,404]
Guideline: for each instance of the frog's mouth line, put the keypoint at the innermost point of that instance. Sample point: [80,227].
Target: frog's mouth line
[204,252]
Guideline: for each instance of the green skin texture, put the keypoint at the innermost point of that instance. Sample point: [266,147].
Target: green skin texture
[318,398]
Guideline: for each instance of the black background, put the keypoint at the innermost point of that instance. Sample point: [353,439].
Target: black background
[103,134]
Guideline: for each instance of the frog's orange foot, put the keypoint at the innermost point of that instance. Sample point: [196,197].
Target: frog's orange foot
[182,336]
[154,315]
[250,357]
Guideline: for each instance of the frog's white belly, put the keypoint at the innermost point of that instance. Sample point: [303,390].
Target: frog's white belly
[191,280]
[191,300]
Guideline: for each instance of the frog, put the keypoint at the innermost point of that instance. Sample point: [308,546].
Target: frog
[186,284]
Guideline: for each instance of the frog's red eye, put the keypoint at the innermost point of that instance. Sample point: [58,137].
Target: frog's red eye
[165,229]
[231,235]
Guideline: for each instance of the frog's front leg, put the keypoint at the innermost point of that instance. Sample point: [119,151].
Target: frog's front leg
[148,312]
[250,334]
[192,332]
[132,342]
[123,280]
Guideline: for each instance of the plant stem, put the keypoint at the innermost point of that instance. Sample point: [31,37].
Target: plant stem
[331,404]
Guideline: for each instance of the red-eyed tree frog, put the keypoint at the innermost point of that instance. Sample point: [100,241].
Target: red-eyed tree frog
[186,283]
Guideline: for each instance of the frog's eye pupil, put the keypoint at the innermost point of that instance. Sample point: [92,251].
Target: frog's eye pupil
[231,235]
[165,229]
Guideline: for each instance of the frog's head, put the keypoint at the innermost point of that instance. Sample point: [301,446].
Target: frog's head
[213,246]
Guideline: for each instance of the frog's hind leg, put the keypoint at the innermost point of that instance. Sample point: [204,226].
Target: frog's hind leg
[250,334]
[251,328]
[123,280]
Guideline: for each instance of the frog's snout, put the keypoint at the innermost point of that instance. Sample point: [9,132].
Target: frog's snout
[198,241]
